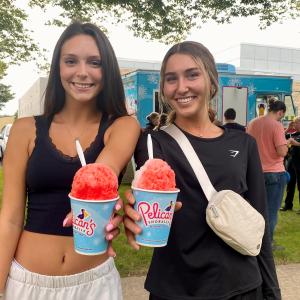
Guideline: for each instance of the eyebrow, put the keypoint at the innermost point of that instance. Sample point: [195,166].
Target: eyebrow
[185,71]
[89,57]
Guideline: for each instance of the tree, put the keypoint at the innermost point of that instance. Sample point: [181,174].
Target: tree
[15,42]
[170,20]
[5,94]
[164,20]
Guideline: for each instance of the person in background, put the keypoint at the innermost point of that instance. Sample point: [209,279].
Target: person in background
[84,100]
[293,164]
[272,145]
[153,121]
[229,116]
[196,263]
[261,109]
[163,121]
[213,117]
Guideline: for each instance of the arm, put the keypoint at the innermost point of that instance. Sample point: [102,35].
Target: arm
[14,192]
[293,142]
[280,141]
[282,150]
[120,140]
[256,194]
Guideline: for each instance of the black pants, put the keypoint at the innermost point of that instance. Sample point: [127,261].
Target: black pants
[294,170]
[255,294]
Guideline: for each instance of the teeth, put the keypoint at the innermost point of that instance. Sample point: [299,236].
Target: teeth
[184,100]
[82,85]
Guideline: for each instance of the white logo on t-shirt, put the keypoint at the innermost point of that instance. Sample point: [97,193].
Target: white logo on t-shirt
[234,153]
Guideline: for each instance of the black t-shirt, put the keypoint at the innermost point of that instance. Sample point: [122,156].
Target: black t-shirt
[294,151]
[197,264]
[235,126]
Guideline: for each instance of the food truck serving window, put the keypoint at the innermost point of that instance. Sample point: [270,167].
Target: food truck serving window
[262,102]
[290,112]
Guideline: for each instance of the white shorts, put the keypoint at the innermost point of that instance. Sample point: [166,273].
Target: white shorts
[100,283]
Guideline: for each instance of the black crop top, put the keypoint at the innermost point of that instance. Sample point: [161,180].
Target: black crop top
[49,177]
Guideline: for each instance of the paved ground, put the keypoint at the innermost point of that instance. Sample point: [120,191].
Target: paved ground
[288,276]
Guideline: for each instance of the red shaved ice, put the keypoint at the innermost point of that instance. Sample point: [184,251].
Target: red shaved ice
[95,182]
[155,174]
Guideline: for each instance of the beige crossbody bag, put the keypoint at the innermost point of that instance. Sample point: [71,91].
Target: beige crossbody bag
[228,214]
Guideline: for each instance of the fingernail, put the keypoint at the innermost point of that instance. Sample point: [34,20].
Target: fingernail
[109,227]
[110,237]
[65,222]
[117,207]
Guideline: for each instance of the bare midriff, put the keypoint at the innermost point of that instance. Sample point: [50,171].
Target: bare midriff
[53,255]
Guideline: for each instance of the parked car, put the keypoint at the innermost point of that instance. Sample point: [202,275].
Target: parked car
[3,138]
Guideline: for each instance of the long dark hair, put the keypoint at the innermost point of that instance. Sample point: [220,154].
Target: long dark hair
[111,99]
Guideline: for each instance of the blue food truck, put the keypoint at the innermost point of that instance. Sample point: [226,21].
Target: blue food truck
[247,94]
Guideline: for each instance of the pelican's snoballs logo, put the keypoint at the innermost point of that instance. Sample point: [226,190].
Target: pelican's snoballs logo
[84,223]
[153,214]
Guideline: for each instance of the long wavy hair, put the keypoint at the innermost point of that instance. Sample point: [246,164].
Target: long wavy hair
[111,99]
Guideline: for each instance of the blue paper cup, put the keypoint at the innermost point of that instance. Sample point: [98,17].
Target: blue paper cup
[90,218]
[156,209]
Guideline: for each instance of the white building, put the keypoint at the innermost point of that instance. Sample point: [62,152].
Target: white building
[32,102]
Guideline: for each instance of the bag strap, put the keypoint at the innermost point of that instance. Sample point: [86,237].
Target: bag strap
[193,159]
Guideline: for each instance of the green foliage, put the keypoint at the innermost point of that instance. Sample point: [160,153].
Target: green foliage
[5,94]
[164,20]
[15,42]
[170,20]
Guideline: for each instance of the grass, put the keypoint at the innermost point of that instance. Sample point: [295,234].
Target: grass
[287,234]
[130,262]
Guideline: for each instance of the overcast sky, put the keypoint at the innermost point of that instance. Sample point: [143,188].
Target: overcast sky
[222,40]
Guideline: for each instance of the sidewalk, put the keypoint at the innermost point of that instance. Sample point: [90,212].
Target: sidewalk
[288,276]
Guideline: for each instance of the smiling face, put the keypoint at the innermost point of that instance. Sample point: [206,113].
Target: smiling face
[185,86]
[80,69]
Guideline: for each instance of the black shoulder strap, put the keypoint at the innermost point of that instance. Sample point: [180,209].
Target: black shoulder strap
[42,125]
